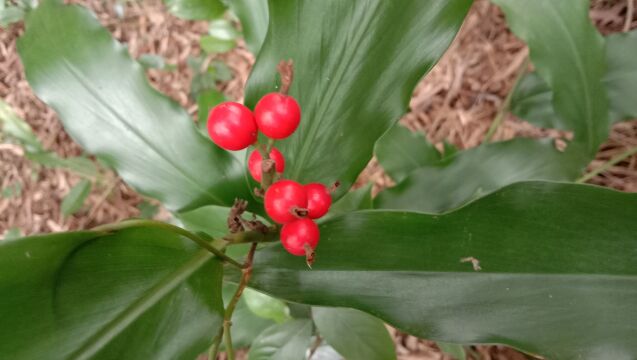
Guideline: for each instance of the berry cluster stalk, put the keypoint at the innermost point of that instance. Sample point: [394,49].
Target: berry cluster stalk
[268,175]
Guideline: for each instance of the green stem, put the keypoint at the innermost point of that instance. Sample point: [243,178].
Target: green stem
[214,348]
[246,272]
[612,162]
[228,340]
[172,228]
[504,109]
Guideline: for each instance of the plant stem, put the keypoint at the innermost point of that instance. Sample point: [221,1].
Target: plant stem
[246,272]
[612,162]
[504,109]
[317,342]
[172,228]
[214,348]
[228,340]
[252,236]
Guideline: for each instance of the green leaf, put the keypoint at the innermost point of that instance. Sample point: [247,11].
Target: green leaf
[15,127]
[400,151]
[456,351]
[147,210]
[621,76]
[354,71]
[78,164]
[196,9]
[10,15]
[568,53]
[449,151]
[106,104]
[220,71]
[300,311]
[532,101]
[11,191]
[287,341]
[12,233]
[213,45]
[206,100]
[140,293]
[246,326]
[359,199]
[354,334]
[326,352]
[74,200]
[253,15]
[152,61]
[532,98]
[222,37]
[211,220]
[266,306]
[558,271]
[223,29]
[480,171]
[201,82]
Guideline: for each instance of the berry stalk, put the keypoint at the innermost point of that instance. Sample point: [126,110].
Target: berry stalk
[267,165]
[246,272]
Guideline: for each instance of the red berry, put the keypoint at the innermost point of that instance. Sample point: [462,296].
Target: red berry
[232,126]
[282,198]
[296,234]
[254,162]
[277,115]
[318,200]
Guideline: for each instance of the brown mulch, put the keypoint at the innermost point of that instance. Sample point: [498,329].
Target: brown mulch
[456,101]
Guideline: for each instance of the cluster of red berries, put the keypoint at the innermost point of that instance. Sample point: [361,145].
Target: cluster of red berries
[233,126]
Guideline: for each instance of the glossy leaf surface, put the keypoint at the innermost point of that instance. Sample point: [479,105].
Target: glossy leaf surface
[106,104]
[400,151]
[253,15]
[479,171]
[139,293]
[359,199]
[568,53]
[196,9]
[532,98]
[355,70]
[354,334]
[287,341]
[551,283]
[532,101]
[266,306]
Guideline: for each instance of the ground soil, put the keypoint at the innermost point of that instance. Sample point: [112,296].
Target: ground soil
[456,101]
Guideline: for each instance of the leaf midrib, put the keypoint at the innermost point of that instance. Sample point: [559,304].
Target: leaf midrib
[152,296]
[332,87]
[87,85]
[267,270]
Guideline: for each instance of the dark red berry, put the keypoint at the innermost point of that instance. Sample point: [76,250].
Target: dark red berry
[255,161]
[232,126]
[283,198]
[277,115]
[318,200]
[297,235]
